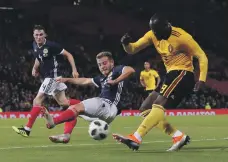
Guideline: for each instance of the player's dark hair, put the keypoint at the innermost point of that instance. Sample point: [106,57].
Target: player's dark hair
[160,18]
[160,25]
[104,54]
[147,62]
[39,27]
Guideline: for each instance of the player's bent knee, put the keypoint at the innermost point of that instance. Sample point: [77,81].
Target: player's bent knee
[147,103]
[62,101]
[64,104]
[161,100]
[145,106]
[37,102]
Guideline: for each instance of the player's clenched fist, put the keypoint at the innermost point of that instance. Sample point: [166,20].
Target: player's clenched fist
[126,39]
[199,85]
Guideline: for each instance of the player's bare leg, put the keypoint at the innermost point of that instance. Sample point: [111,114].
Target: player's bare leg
[36,109]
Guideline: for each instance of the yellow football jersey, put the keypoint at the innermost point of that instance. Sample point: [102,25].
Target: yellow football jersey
[177,52]
[149,78]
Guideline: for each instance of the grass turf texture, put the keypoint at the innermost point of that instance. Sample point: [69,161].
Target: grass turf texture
[208,143]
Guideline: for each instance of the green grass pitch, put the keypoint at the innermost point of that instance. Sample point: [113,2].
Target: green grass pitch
[208,134]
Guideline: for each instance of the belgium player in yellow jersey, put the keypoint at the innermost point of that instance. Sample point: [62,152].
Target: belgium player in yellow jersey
[149,79]
[177,49]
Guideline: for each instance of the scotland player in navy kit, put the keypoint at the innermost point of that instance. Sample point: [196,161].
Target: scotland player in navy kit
[48,64]
[106,106]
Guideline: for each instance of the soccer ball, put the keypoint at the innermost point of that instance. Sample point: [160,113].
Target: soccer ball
[98,129]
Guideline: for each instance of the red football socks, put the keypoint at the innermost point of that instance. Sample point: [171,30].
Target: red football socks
[34,113]
[67,115]
[69,126]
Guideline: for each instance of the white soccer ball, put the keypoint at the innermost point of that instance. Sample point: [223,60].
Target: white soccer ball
[98,129]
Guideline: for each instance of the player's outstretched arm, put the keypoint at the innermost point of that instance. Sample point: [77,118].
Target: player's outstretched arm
[70,58]
[132,48]
[78,81]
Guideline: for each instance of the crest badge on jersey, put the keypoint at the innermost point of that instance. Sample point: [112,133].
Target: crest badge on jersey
[170,47]
[45,52]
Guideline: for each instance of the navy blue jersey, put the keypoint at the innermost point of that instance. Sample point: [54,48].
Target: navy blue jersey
[110,92]
[50,58]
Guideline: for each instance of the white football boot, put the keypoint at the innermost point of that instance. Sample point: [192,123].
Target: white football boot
[62,138]
[179,142]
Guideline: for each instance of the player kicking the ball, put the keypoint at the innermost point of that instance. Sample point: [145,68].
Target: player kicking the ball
[106,106]
[177,49]
[48,63]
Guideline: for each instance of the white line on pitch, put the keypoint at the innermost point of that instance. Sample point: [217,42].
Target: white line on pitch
[94,144]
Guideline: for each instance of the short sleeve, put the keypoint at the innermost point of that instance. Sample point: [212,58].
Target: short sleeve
[155,74]
[96,81]
[119,69]
[141,75]
[56,48]
[34,46]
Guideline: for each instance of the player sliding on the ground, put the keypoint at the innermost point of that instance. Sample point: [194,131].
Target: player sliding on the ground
[177,49]
[49,57]
[105,107]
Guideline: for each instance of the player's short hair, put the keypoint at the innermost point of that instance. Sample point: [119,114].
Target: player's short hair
[104,54]
[160,16]
[39,27]
[147,62]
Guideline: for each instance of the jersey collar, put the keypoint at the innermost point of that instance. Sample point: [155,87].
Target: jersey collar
[42,44]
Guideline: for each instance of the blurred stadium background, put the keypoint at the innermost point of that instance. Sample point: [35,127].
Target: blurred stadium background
[86,27]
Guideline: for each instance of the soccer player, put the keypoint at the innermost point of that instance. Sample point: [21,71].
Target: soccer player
[177,49]
[49,57]
[148,79]
[105,107]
